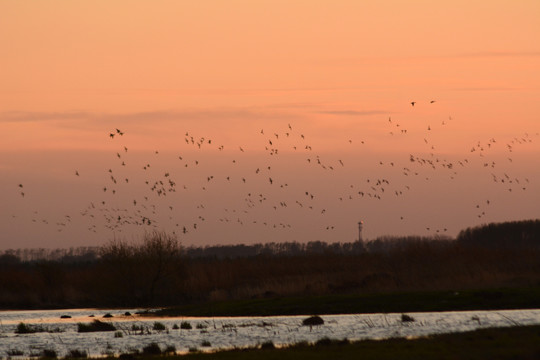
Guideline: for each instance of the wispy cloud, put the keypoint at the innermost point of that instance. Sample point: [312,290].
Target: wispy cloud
[353,112]
[501,54]
[25,116]
[228,114]
[480,88]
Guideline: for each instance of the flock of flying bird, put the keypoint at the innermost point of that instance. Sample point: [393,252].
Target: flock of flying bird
[154,201]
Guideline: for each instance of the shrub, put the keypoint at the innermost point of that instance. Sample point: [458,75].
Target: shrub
[325,341]
[175,327]
[77,354]
[95,326]
[49,353]
[22,328]
[185,325]
[118,334]
[15,352]
[201,326]
[206,343]
[159,326]
[267,345]
[152,349]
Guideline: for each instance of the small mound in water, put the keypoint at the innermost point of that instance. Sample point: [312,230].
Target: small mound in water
[406,318]
[313,320]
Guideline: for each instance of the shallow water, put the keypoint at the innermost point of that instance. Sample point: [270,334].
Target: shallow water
[227,332]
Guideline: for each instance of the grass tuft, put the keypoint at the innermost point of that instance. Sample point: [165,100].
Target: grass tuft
[152,349]
[186,325]
[158,326]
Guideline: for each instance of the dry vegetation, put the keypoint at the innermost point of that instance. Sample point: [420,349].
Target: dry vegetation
[158,272]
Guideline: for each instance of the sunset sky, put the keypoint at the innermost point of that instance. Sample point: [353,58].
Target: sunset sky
[265,120]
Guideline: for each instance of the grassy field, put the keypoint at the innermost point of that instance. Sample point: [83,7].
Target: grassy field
[496,343]
[493,299]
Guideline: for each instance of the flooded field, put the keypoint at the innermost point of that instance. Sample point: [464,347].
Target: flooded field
[58,330]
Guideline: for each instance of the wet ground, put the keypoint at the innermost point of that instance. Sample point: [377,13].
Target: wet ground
[134,332]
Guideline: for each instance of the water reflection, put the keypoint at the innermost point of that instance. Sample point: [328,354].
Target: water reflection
[134,332]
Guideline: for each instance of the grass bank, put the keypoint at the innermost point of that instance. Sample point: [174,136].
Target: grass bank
[487,299]
[494,343]
[500,343]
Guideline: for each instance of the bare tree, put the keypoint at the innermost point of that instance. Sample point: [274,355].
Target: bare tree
[142,271]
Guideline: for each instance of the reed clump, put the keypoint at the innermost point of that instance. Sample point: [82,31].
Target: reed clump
[95,326]
[186,325]
[159,326]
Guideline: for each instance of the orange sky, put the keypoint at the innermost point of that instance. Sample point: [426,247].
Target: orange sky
[335,71]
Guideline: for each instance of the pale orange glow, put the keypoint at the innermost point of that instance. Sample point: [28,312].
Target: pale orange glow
[325,81]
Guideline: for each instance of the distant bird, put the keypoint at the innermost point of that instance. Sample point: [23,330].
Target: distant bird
[413,102]
[432,101]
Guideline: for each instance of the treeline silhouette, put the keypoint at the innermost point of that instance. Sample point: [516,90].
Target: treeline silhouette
[157,271]
[508,235]
[86,254]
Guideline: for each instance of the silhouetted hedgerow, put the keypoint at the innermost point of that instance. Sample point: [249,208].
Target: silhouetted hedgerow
[157,271]
[507,235]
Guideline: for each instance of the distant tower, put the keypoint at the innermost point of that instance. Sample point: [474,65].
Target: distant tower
[360,227]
